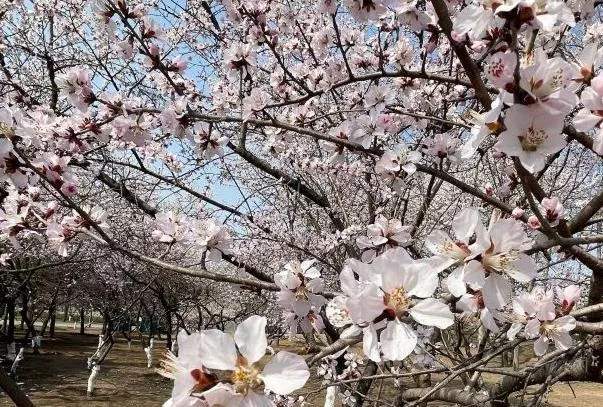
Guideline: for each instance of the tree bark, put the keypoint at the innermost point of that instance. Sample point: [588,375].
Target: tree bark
[66,312]
[24,309]
[30,329]
[363,387]
[82,321]
[53,319]
[10,331]
[13,391]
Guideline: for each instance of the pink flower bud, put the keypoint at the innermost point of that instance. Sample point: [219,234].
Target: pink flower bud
[534,223]
[456,37]
[518,212]
[154,49]
[489,189]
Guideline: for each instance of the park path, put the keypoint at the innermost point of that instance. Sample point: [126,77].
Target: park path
[58,376]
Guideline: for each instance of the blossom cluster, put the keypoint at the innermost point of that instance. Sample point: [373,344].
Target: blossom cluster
[208,235]
[214,368]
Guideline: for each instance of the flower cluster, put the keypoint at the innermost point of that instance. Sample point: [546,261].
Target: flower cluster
[214,368]
[484,269]
[536,313]
[300,296]
[391,296]
[208,235]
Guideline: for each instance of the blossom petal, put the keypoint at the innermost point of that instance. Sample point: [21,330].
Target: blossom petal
[563,340]
[424,280]
[514,330]
[432,312]
[217,350]
[398,340]
[370,343]
[221,395]
[496,291]
[455,283]
[523,269]
[541,345]
[566,323]
[488,320]
[474,275]
[532,329]
[546,311]
[253,399]
[250,337]
[285,373]
[464,223]
[366,306]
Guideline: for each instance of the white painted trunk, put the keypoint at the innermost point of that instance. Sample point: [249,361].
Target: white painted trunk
[11,353]
[149,353]
[18,358]
[331,396]
[36,342]
[92,380]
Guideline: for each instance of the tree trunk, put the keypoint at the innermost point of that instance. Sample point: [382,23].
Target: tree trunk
[168,322]
[4,314]
[10,331]
[53,319]
[51,310]
[595,296]
[66,313]
[82,322]
[13,391]
[24,309]
[30,329]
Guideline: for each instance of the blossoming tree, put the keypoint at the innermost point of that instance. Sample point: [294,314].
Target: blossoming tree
[420,178]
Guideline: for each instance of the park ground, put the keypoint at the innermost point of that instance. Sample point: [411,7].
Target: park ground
[58,376]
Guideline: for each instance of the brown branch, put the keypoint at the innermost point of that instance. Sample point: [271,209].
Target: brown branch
[471,69]
[13,391]
[580,221]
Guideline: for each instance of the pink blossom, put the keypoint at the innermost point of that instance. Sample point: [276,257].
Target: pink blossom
[76,85]
[532,134]
[382,235]
[534,222]
[546,328]
[568,297]
[553,210]
[518,212]
[212,350]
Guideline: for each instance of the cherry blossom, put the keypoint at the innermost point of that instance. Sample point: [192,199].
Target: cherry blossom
[552,210]
[568,297]
[590,117]
[390,163]
[531,135]
[209,143]
[384,234]
[77,87]
[483,125]
[214,237]
[171,228]
[473,302]
[394,279]
[212,350]
[454,253]
[300,295]
[546,328]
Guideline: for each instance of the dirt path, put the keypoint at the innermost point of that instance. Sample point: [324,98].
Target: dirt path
[59,377]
